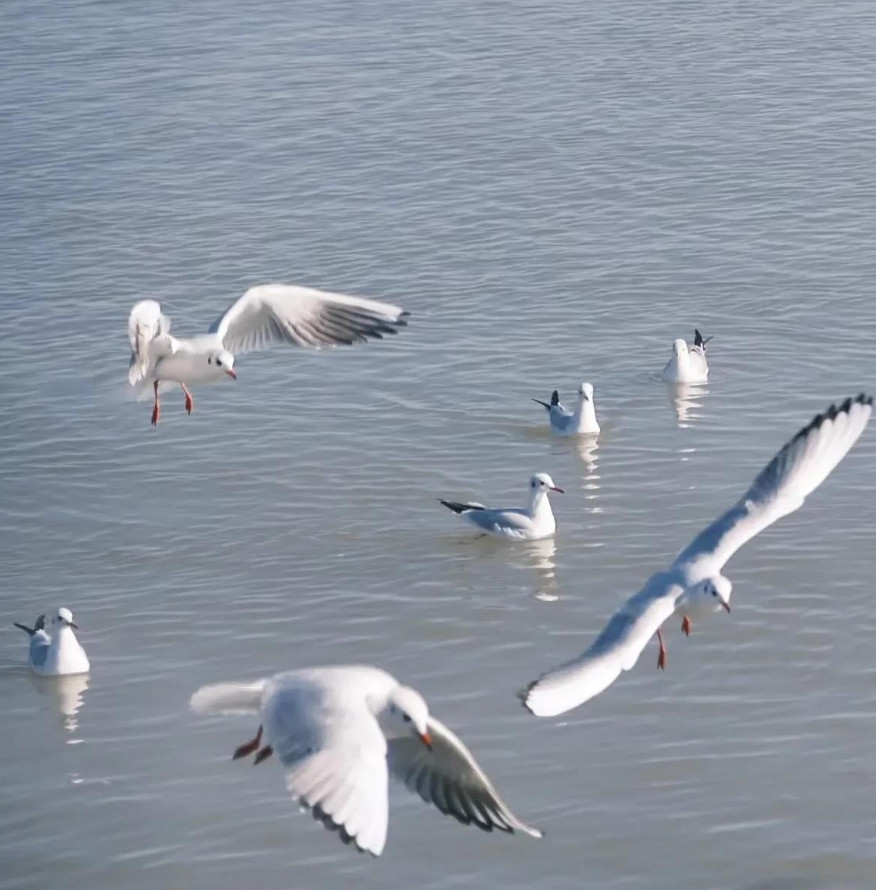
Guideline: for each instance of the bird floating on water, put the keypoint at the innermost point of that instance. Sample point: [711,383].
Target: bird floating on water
[529,523]
[572,423]
[688,363]
[59,653]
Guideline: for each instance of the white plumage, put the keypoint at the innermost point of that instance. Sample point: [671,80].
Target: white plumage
[340,731]
[693,584]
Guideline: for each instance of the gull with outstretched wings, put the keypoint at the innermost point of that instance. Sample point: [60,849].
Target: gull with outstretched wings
[694,584]
[266,315]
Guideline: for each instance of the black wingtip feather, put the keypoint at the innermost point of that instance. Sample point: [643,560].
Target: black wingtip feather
[555,398]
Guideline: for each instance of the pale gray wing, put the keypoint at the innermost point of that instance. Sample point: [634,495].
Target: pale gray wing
[616,649]
[781,487]
[148,333]
[281,313]
[449,777]
[40,643]
[500,519]
[334,754]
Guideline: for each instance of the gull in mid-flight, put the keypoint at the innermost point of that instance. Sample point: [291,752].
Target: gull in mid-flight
[572,423]
[694,584]
[58,653]
[514,523]
[688,363]
[264,316]
[340,731]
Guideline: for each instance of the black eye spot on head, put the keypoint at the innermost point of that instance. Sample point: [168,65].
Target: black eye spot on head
[407,718]
[218,362]
[714,592]
[209,360]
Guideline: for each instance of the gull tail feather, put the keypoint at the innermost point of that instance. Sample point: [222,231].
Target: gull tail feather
[228,698]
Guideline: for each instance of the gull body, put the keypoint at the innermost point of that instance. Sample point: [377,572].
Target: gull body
[694,584]
[264,316]
[688,363]
[529,523]
[340,731]
[573,423]
[58,653]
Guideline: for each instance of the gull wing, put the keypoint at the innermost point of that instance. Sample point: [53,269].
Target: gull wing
[449,778]
[615,650]
[796,471]
[269,314]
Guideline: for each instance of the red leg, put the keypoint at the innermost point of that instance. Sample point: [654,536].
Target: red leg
[190,402]
[156,411]
[685,626]
[661,656]
[248,747]
[264,754]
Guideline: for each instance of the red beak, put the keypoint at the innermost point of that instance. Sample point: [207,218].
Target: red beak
[726,606]
[426,739]
[232,374]
[559,490]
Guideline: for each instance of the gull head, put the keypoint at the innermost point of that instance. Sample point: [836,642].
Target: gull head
[63,618]
[585,390]
[221,362]
[709,595]
[408,714]
[542,482]
[679,348]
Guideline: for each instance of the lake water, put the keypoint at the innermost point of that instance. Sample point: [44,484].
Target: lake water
[556,191]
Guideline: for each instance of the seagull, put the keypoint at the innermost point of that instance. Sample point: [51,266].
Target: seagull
[514,523]
[59,653]
[688,363]
[572,423]
[264,316]
[339,732]
[694,584]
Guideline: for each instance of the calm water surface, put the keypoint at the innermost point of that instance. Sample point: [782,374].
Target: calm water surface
[555,191]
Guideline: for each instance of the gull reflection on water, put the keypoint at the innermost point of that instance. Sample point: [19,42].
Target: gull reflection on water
[687,399]
[539,555]
[67,694]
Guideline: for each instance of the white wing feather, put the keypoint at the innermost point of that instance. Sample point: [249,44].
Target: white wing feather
[335,758]
[148,332]
[616,649]
[780,488]
[269,314]
[449,777]
[228,698]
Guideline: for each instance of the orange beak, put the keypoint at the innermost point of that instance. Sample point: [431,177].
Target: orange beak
[426,739]
[232,374]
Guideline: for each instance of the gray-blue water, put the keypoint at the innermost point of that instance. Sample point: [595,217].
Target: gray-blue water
[556,191]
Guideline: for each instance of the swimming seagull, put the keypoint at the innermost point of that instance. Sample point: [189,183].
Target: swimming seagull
[59,653]
[572,423]
[688,363]
[694,584]
[339,732]
[264,316]
[514,523]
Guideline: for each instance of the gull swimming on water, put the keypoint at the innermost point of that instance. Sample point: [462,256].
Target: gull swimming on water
[514,523]
[339,731]
[688,363]
[264,316]
[572,423]
[58,653]
[694,584]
